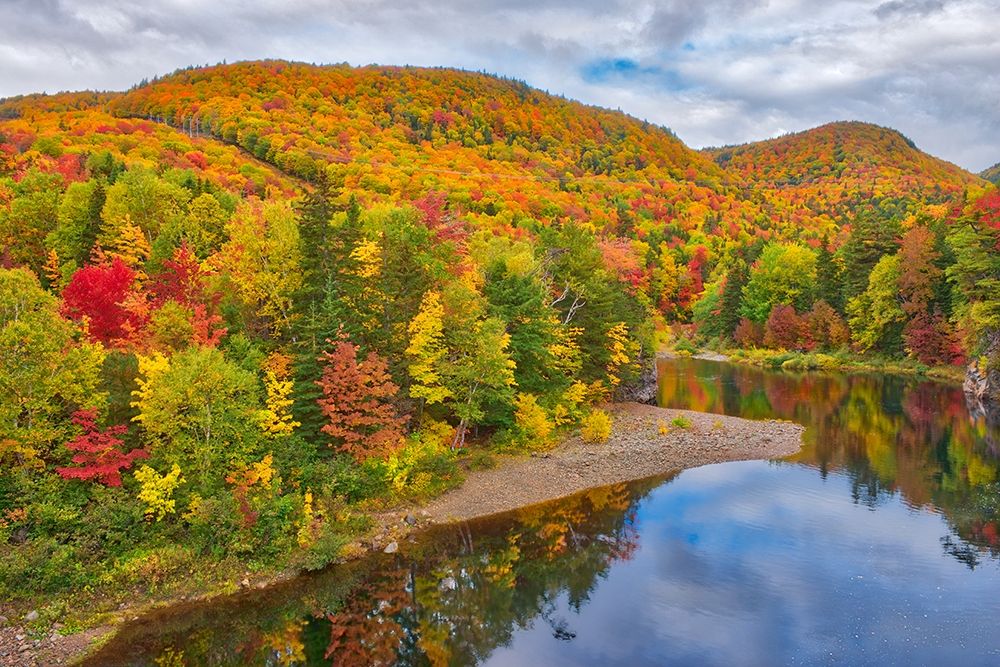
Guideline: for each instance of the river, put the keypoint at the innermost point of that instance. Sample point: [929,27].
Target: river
[877,544]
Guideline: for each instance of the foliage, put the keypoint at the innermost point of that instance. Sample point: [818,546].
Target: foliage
[876,316]
[596,427]
[532,421]
[99,456]
[357,401]
[785,274]
[157,490]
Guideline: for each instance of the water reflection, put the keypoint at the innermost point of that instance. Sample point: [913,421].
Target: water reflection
[890,435]
[450,598]
[887,556]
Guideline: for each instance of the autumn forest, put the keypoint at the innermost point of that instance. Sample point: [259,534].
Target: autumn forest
[244,306]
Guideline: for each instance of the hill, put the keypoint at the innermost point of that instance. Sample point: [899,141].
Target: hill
[498,147]
[826,174]
[992,174]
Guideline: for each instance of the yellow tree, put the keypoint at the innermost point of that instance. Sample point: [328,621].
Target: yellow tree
[276,417]
[263,258]
[427,350]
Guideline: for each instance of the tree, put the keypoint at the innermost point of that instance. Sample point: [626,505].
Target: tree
[748,334]
[262,257]
[928,338]
[824,328]
[45,373]
[706,312]
[918,273]
[870,239]
[732,298]
[100,295]
[99,454]
[30,217]
[357,401]
[477,370]
[974,238]
[785,274]
[276,418]
[198,410]
[784,328]
[875,316]
[78,222]
[829,281]
[427,351]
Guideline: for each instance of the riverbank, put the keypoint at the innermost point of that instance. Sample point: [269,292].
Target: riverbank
[644,441]
[818,361]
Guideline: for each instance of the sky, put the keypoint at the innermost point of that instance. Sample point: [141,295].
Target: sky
[714,71]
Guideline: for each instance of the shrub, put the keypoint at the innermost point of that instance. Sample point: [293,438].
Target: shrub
[680,422]
[531,420]
[596,427]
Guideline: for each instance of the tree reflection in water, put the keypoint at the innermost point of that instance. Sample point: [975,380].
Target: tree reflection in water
[891,435]
[451,598]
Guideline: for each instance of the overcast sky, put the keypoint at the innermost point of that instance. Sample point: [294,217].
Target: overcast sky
[714,71]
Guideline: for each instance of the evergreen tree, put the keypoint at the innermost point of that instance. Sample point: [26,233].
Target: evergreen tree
[871,238]
[828,277]
[732,297]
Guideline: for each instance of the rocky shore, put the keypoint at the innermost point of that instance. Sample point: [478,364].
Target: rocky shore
[645,441]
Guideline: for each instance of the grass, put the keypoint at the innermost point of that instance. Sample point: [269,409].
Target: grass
[843,361]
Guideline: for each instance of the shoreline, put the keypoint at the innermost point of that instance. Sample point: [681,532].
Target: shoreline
[637,449]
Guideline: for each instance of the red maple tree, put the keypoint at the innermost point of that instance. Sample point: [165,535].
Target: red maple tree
[100,294]
[99,455]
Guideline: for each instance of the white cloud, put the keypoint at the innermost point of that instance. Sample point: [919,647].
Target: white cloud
[721,71]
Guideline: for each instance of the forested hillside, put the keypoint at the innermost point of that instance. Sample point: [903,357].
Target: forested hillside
[241,302]
[992,174]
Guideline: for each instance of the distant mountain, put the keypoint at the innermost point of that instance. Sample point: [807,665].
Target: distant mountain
[992,174]
[830,171]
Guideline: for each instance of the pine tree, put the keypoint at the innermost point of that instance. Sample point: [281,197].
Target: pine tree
[828,277]
[871,238]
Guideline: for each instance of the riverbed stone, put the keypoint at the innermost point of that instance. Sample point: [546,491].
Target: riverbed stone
[391,548]
[31,616]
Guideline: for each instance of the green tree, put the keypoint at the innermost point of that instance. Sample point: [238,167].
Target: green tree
[45,372]
[870,239]
[199,410]
[785,274]
[876,316]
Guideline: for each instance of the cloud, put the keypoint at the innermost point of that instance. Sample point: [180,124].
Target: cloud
[719,71]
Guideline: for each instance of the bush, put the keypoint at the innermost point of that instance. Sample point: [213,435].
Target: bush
[532,422]
[596,427]
[681,422]
[685,346]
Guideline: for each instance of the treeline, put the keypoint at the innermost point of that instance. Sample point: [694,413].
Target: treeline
[928,290]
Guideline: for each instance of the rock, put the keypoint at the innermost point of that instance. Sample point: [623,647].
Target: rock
[391,548]
[31,616]
[448,584]
[19,637]
[410,519]
[245,583]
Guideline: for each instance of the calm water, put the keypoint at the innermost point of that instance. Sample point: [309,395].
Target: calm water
[877,544]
